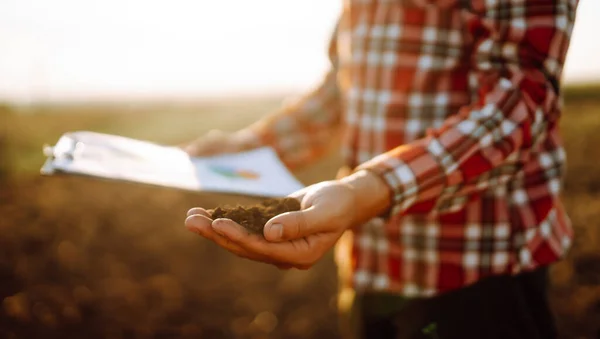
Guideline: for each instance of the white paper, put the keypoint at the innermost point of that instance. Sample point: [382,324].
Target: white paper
[257,172]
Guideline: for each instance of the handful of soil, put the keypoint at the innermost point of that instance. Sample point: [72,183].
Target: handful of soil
[254,218]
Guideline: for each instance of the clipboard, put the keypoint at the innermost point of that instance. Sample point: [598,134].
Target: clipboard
[257,173]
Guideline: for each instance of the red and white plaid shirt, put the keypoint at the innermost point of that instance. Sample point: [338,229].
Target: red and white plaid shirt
[455,104]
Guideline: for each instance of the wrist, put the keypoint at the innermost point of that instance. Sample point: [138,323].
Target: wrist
[371,194]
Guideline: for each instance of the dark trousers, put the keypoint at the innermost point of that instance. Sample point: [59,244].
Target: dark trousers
[496,307]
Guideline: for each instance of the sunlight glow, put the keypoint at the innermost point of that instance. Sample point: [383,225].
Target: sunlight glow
[74,49]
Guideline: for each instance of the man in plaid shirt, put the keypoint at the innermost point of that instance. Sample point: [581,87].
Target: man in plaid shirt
[449,112]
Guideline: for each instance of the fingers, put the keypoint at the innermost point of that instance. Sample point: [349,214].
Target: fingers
[213,142]
[198,211]
[201,225]
[296,225]
[197,222]
[234,238]
[231,230]
[201,149]
[291,252]
[287,226]
[300,253]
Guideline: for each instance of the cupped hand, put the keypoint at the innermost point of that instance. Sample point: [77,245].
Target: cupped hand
[293,239]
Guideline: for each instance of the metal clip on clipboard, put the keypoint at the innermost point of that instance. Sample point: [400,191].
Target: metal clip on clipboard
[66,149]
[120,158]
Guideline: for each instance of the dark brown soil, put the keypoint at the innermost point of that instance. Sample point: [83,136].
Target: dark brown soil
[254,218]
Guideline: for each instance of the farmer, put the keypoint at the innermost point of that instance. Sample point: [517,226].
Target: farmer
[451,215]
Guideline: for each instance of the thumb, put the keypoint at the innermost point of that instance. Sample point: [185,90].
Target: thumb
[295,225]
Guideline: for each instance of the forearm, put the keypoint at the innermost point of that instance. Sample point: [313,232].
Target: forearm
[302,131]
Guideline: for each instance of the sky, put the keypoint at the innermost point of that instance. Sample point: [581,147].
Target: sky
[137,49]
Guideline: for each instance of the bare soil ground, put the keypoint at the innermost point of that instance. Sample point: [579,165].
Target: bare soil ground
[83,258]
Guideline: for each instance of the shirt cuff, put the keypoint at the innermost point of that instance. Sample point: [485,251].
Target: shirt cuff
[399,179]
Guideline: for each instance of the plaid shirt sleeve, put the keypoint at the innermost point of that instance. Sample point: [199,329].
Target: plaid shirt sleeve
[302,131]
[517,57]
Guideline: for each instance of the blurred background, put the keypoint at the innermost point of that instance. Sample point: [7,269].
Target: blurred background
[83,258]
